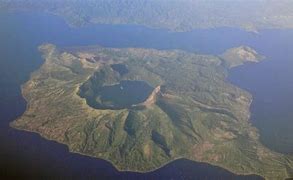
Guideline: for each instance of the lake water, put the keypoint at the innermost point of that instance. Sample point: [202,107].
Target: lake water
[118,96]
[26,153]
[126,93]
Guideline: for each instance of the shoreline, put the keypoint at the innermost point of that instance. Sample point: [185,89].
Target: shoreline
[135,171]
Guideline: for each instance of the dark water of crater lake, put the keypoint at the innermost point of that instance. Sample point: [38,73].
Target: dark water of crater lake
[126,93]
[28,154]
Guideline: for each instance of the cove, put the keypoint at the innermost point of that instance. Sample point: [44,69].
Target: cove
[29,154]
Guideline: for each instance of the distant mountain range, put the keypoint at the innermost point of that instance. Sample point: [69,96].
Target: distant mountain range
[176,15]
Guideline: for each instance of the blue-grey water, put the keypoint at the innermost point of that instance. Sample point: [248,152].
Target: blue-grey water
[28,154]
[123,95]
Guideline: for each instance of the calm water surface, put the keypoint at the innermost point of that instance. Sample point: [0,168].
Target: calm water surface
[27,153]
[126,93]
